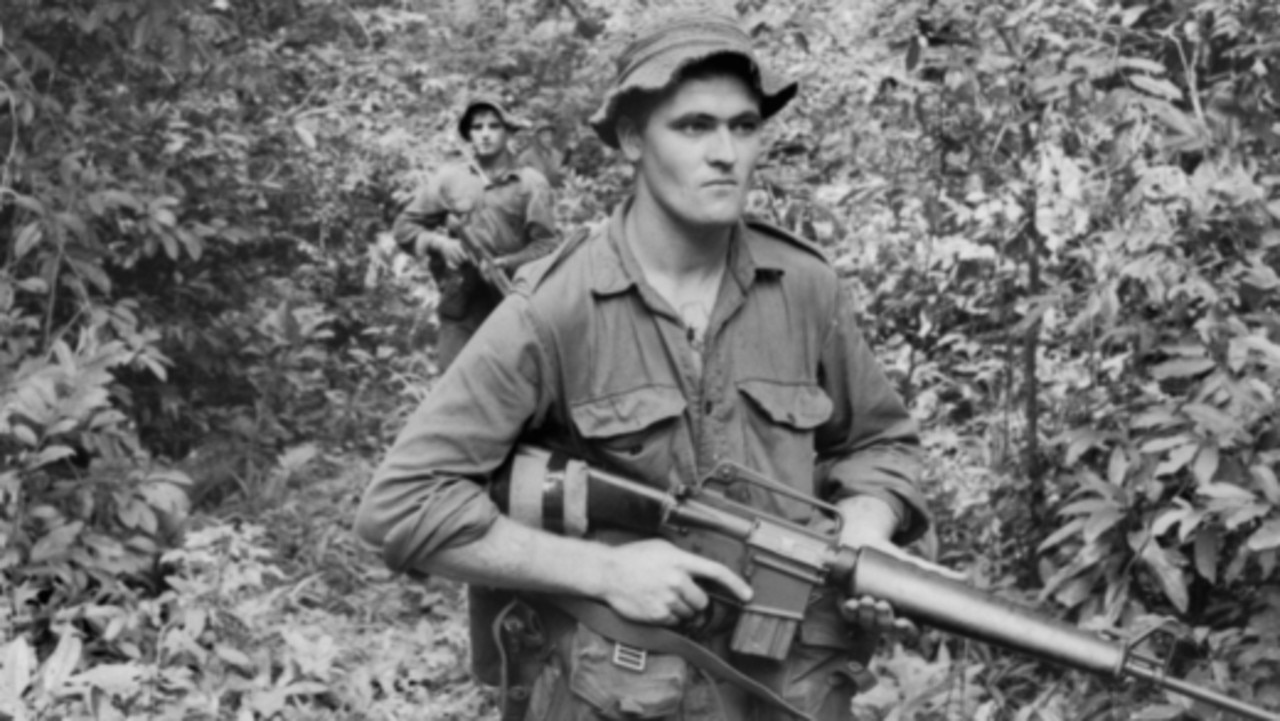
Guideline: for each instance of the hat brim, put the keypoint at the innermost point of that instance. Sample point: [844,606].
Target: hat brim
[657,74]
[511,122]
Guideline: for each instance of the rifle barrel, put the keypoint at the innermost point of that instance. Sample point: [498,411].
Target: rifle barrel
[957,608]
[1190,690]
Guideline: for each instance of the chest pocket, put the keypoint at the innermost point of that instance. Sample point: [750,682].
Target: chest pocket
[634,430]
[799,406]
[778,435]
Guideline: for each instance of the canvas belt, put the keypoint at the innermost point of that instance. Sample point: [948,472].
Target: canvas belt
[654,639]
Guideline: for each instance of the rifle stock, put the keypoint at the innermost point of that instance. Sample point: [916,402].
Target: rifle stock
[783,562]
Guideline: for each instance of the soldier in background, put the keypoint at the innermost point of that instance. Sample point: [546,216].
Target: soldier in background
[490,200]
[543,155]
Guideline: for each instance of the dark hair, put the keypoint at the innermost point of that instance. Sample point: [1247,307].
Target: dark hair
[635,107]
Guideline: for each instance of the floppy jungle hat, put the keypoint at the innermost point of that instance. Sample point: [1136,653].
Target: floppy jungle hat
[656,58]
[487,102]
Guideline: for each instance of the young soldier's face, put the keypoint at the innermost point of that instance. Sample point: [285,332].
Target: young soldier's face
[698,149]
[488,134]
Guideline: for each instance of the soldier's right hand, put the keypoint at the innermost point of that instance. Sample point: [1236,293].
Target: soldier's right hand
[652,581]
[451,250]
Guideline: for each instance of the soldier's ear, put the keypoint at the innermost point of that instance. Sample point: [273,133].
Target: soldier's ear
[630,141]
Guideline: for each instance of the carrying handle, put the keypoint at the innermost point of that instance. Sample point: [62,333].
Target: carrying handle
[729,472]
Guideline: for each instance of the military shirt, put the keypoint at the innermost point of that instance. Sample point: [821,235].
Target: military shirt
[589,356]
[512,213]
[548,162]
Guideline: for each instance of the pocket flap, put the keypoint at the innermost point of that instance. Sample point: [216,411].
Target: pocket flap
[799,405]
[627,412]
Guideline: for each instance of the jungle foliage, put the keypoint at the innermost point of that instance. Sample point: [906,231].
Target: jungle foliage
[1061,217]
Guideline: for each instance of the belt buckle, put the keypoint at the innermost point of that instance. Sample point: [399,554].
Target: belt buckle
[630,657]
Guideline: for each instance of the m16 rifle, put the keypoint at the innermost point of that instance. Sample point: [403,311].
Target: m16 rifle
[784,562]
[480,256]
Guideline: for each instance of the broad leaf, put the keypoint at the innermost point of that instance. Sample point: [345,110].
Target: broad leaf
[1183,368]
[1158,87]
[1208,544]
[1171,579]
[1266,537]
[62,662]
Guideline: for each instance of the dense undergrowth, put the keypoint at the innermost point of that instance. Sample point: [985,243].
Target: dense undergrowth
[1061,218]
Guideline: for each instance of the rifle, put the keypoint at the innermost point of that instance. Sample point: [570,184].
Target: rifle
[784,561]
[481,258]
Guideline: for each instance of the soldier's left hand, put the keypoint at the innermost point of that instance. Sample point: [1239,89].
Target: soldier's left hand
[876,616]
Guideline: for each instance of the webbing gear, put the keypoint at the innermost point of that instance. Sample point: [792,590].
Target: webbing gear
[522,646]
[604,621]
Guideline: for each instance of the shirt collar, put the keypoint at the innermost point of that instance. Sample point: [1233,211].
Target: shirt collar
[616,270]
[501,175]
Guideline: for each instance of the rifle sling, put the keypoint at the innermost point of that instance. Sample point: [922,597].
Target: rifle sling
[604,621]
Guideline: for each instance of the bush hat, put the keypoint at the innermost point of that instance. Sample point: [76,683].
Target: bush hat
[487,102]
[657,56]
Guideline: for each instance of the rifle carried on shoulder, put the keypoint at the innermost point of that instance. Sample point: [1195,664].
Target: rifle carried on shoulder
[784,562]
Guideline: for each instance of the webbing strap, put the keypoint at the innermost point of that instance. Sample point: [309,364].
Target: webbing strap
[604,621]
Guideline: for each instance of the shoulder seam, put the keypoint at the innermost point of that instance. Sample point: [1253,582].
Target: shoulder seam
[786,235]
[553,261]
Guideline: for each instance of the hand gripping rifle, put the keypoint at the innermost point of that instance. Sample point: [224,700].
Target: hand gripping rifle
[481,258]
[784,561]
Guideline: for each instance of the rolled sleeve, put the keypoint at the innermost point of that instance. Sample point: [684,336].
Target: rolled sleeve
[871,445]
[430,491]
[426,211]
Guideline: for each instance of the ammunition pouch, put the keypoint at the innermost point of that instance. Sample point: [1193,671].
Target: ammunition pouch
[621,682]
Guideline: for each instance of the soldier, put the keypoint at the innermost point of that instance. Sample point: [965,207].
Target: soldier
[503,207]
[543,155]
[678,336]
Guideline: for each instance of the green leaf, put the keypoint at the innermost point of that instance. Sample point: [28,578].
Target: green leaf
[1159,445]
[1182,368]
[1178,459]
[1062,534]
[1158,87]
[114,678]
[17,667]
[1171,579]
[1156,418]
[62,662]
[1206,464]
[1208,543]
[1168,518]
[56,543]
[1159,712]
[165,497]
[1265,477]
[1224,491]
[29,236]
[50,454]
[306,136]
[1266,537]
[234,657]
[1091,505]
[1143,64]
[1101,522]
[1242,514]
